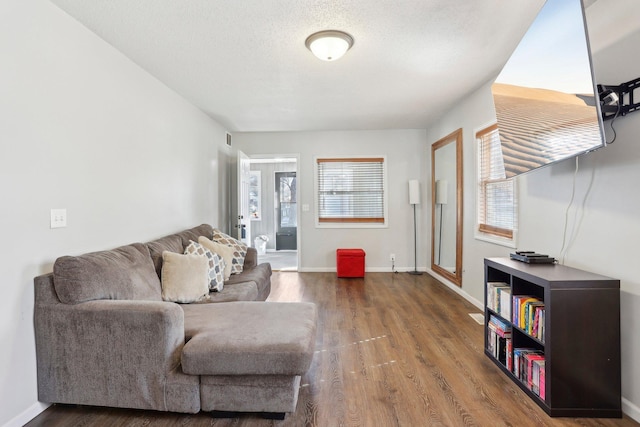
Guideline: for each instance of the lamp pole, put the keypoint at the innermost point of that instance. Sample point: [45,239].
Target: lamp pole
[415,271]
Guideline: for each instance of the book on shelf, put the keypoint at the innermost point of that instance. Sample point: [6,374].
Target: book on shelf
[499,339]
[541,327]
[529,367]
[522,302]
[519,362]
[541,380]
[528,315]
[495,298]
[537,329]
[529,362]
[504,299]
[537,378]
[501,327]
[499,347]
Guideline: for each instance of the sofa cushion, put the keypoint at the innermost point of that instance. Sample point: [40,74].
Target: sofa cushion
[239,249]
[259,274]
[251,260]
[124,273]
[216,265]
[171,243]
[252,338]
[242,291]
[193,233]
[226,252]
[185,278]
[249,393]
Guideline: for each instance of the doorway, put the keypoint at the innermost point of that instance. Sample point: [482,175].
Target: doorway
[274,210]
[286,211]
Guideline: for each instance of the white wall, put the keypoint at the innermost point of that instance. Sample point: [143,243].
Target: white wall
[318,245]
[84,128]
[603,226]
[472,114]
[603,222]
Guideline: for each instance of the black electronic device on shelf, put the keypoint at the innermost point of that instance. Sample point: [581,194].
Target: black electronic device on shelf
[531,257]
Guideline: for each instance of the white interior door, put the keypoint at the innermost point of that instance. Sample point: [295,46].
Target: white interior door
[244,218]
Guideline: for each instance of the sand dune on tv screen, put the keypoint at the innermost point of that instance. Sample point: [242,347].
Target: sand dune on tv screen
[539,126]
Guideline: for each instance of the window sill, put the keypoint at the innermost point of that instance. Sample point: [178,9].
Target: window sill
[351,225]
[502,241]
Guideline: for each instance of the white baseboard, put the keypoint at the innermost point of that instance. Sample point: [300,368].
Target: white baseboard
[457,289]
[316,270]
[631,410]
[367,270]
[27,415]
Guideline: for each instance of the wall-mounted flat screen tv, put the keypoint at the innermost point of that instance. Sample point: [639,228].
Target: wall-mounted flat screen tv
[545,97]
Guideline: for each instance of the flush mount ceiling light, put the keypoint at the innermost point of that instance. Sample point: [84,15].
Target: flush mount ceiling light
[329,45]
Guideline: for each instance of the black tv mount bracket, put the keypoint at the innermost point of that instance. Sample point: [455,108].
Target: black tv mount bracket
[612,107]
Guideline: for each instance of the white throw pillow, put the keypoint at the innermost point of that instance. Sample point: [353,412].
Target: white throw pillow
[226,252]
[185,278]
[216,264]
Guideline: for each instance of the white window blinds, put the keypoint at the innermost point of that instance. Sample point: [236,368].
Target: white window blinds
[351,190]
[496,194]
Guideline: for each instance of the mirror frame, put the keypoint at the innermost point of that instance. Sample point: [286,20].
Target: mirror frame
[454,137]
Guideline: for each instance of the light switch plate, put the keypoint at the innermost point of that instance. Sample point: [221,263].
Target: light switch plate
[58,218]
[305,208]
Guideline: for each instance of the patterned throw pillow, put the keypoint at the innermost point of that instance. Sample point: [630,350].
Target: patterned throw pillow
[226,252]
[216,264]
[239,249]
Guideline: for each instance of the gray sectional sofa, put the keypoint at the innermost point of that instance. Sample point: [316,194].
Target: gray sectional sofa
[105,337]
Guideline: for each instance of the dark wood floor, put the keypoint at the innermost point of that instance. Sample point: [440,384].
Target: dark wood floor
[392,350]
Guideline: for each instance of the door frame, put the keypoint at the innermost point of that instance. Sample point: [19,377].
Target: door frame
[292,157]
[243,223]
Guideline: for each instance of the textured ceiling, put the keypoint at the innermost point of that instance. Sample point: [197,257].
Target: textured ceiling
[245,63]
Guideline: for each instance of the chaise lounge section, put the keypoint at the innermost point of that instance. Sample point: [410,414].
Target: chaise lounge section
[105,337]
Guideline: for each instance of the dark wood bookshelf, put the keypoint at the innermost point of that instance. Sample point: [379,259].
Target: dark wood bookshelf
[582,335]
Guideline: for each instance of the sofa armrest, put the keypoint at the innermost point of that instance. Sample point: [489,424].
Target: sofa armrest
[108,352]
[251,259]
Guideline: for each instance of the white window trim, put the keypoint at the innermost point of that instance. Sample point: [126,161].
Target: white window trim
[352,225]
[477,234]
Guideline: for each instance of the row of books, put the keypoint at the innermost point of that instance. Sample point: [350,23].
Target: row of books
[528,315]
[528,367]
[499,298]
[526,364]
[499,340]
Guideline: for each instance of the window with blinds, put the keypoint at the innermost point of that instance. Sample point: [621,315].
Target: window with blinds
[351,190]
[496,194]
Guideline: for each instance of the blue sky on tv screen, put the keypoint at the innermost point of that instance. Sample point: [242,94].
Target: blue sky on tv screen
[554,53]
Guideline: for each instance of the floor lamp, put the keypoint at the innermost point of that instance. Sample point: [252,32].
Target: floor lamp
[414,199]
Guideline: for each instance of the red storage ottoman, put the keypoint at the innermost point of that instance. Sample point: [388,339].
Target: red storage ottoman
[350,262]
